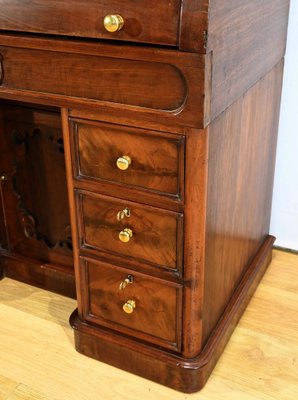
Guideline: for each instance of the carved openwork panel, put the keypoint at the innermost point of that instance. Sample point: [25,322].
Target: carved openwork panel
[36,191]
[39,165]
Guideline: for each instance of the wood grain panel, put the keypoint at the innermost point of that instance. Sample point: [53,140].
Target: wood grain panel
[186,69]
[157,233]
[139,83]
[183,374]
[84,18]
[158,304]
[240,179]
[157,160]
[197,143]
[194,25]
[247,39]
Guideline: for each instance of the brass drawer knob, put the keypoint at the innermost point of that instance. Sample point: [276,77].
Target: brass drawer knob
[113,23]
[129,306]
[3,177]
[123,162]
[125,235]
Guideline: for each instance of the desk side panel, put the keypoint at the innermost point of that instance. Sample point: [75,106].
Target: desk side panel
[242,146]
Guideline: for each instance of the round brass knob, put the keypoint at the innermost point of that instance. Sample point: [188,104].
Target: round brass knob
[129,306]
[123,162]
[125,235]
[113,23]
[3,177]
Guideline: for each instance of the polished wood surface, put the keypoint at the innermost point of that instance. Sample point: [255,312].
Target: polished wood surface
[55,277]
[194,238]
[154,299]
[184,374]
[97,147]
[83,18]
[194,25]
[257,364]
[247,39]
[136,82]
[240,179]
[141,74]
[157,234]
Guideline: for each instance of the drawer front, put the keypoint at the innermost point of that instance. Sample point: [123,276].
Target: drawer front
[141,233]
[142,22]
[149,85]
[145,307]
[147,160]
[161,86]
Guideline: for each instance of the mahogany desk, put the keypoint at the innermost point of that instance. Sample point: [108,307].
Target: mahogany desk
[137,158]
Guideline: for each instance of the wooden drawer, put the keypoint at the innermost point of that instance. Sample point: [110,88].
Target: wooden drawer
[152,160]
[91,77]
[156,233]
[85,18]
[141,83]
[157,313]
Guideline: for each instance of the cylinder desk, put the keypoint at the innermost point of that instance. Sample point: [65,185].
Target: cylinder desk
[136,165]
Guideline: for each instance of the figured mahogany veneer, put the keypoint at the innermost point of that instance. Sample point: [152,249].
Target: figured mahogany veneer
[226,242]
[157,234]
[103,303]
[183,374]
[158,185]
[96,148]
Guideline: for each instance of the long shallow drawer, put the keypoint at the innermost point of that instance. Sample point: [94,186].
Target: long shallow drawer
[133,303]
[85,18]
[141,83]
[90,77]
[135,157]
[138,232]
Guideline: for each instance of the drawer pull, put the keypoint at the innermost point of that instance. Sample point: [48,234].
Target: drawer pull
[113,23]
[124,213]
[3,177]
[123,163]
[127,281]
[125,235]
[129,306]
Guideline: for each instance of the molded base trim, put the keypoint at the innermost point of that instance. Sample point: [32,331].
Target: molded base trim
[55,278]
[186,375]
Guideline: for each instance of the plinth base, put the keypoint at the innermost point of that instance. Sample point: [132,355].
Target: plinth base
[186,375]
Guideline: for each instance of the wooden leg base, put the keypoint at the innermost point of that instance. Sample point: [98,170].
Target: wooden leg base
[186,375]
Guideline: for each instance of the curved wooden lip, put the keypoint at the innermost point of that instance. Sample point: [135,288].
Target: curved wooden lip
[217,340]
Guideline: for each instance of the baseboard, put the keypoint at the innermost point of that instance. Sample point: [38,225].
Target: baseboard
[55,278]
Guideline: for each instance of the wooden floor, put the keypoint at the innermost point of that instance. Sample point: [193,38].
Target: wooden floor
[38,360]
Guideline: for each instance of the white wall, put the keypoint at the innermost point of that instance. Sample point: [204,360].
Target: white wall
[284,221]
